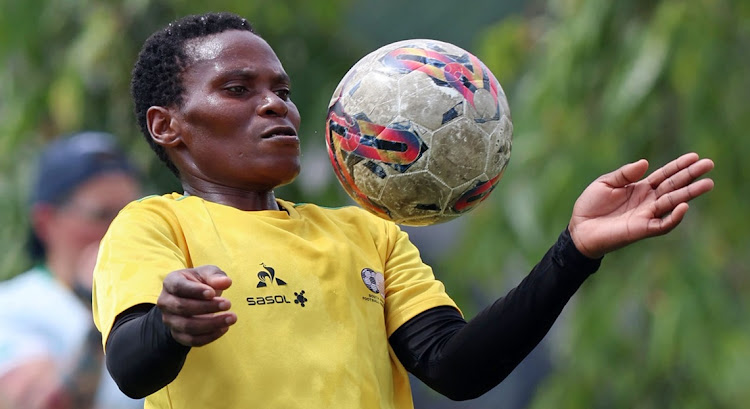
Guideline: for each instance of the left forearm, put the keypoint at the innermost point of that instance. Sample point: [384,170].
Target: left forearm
[464,360]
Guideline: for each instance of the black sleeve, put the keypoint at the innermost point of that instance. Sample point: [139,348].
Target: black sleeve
[464,360]
[142,356]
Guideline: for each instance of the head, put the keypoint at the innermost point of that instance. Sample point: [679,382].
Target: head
[209,95]
[157,75]
[82,182]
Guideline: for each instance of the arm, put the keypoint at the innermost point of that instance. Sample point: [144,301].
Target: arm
[30,385]
[148,344]
[463,361]
[142,355]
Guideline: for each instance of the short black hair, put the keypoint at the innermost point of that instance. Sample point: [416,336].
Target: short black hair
[156,78]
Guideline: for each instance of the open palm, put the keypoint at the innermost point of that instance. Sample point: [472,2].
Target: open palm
[620,207]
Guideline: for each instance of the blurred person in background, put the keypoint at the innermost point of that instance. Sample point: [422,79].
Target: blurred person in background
[50,352]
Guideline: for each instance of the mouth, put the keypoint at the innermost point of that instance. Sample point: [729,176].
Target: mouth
[284,132]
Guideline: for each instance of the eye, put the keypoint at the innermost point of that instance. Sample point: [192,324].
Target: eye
[236,89]
[284,93]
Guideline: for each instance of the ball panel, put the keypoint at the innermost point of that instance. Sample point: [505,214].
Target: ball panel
[500,146]
[475,194]
[418,194]
[372,97]
[458,153]
[428,220]
[416,96]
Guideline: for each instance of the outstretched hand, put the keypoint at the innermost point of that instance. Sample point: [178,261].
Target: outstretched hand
[620,208]
[192,306]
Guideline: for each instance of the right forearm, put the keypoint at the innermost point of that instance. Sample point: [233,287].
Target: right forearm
[142,356]
[80,383]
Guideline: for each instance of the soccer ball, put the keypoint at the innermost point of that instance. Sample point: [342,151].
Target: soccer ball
[419,132]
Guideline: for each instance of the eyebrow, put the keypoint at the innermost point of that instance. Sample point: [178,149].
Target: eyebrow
[251,74]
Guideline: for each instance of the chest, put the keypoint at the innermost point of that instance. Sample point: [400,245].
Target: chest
[300,276]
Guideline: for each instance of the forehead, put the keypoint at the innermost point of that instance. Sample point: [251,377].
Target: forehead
[231,50]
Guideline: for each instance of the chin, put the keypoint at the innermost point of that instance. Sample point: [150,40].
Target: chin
[290,177]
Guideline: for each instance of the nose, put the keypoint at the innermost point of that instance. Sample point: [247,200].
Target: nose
[272,105]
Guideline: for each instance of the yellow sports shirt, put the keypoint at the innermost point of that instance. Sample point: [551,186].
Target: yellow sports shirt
[317,292]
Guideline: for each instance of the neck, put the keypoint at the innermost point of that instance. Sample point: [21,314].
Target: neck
[239,199]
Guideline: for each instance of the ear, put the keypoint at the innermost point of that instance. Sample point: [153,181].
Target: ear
[162,126]
[41,217]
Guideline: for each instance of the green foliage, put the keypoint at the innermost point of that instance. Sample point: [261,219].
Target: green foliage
[593,85]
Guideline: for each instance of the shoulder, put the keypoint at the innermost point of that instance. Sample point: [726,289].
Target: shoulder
[152,207]
[352,221]
[156,201]
[332,211]
[343,214]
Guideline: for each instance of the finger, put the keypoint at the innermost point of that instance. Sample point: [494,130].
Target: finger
[669,201]
[200,325]
[685,176]
[195,282]
[665,172]
[199,340]
[214,277]
[185,284]
[627,174]
[662,225]
[188,307]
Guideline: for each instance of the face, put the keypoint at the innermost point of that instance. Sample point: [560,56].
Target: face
[69,229]
[237,126]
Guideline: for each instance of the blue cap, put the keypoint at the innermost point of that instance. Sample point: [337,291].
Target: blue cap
[69,162]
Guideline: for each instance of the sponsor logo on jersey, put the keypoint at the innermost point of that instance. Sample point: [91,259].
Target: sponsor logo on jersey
[267,279]
[300,298]
[269,299]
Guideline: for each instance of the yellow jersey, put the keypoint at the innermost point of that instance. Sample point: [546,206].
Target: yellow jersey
[317,293]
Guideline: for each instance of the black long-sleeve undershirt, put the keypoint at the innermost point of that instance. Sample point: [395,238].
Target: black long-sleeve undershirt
[464,360]
[458,359]
[142,356]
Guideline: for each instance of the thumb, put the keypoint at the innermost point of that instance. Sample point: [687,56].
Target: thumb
[214,277]
[627,174]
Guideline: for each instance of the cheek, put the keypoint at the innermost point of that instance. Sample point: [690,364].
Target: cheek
[294,115]
[78,234]
[208,116]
